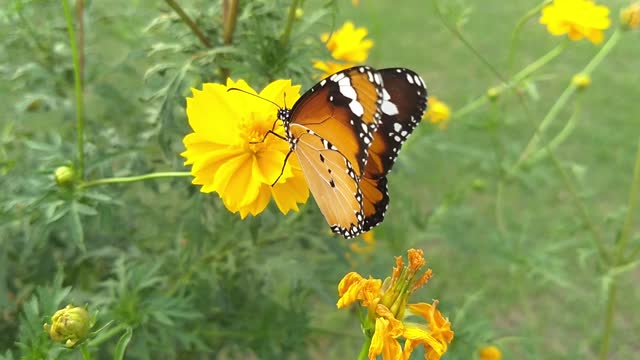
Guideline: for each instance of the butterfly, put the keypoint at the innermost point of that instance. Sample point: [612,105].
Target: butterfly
[346,132]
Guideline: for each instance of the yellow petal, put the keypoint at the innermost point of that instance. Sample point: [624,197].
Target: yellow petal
[287,195]
[212,115]
[235,183]
[282,93]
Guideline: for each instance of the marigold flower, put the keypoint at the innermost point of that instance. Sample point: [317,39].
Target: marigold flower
[69,325]
[576,18]
[630,16]
[230,154]
[438,113]
[581,81]
[348,43]
[489,353]
[386,304]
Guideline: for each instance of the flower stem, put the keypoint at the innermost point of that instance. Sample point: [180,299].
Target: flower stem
[229,20]
[559,139]
[284,39]
[86,355]
[364,352]
[565,96]
[625,236]
[77,77]
[515,80]
[189,22]
[128,179]
[516,31]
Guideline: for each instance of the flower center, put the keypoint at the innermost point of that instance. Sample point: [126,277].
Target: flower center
[252,132]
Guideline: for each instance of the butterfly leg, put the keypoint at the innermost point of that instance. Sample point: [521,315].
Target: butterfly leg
[283,165]
[267,134]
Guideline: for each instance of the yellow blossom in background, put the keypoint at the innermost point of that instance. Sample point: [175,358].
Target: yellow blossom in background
[630,16]
[355,2]
[329,68]
[489,353]
[227,153]
[389,312]
[362,247]
[348,43]
[438,113]
[576,18]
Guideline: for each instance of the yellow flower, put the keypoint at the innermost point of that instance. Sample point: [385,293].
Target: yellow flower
[348,43]
[630,16]
[69,325]
[438,113]
[576,18]
[355,2]
[227,151]
[329,68]
[490,353]
[581,81]
[386,304]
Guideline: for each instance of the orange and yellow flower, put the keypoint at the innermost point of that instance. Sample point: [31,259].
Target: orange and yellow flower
[229,153]
[438,112]
[489,353]
[577,19]
[389,312]
[347,45]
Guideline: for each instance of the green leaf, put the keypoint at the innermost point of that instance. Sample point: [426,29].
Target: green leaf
[121,347]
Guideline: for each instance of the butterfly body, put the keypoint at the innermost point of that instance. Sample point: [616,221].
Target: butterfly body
[346,132]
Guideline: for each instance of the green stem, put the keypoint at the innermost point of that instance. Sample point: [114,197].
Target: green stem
[128,179]
[559,139]
[291,18]
[516,31]
[78,89]
[364,352]
[190,23]
[634,195]
[515,80]
[86,355]
[229,20]
[565,96]
[608,320]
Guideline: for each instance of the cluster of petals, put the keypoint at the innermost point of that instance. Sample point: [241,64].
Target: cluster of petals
[577,19]
[348,46]
[392,324]
[438,112]
[229,153]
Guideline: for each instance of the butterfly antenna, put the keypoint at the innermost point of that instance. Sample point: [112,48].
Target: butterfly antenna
[252,94]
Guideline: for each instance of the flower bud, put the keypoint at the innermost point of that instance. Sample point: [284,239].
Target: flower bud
[630,17]
[69,325]
[581,81]
[490,353]
[494,92]
[64,175]
[299,13]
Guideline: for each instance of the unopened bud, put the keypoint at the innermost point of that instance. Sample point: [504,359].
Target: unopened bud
[581,81]
[630,17]
[69,325]
[64,175]
[494,92]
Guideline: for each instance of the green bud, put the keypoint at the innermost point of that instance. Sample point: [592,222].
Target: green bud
[69,325]
[494,92]
[64,175]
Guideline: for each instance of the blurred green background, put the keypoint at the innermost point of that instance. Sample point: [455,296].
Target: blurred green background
[194,281]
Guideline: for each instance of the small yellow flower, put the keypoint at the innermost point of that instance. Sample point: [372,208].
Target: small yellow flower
[630,16]
[329,68]
[348,43]
[227,151]
[438,113]
[489,353]
[386,305]
[69,325]
[494,92]
[576,18]
[355,2]
[581,81]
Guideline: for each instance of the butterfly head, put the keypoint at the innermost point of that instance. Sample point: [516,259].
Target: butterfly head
[284,114]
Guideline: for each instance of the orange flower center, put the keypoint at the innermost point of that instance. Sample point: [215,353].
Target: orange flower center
[252,133]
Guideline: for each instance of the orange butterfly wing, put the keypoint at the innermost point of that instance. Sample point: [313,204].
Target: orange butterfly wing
[404,101]
[330,129]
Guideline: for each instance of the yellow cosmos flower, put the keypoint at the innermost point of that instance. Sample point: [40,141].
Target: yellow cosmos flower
[438,113]
[630,16]
[329,68]
[576,18]
[227,153]
[489,353]
[581,81]
[386,305]
[348,43]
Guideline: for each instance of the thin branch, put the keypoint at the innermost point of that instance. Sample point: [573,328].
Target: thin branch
[190,23]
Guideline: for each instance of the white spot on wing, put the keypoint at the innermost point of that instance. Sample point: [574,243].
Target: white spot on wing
[397,126]
[389,108]
[356,108]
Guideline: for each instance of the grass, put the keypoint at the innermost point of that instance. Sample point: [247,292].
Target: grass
[535,290]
